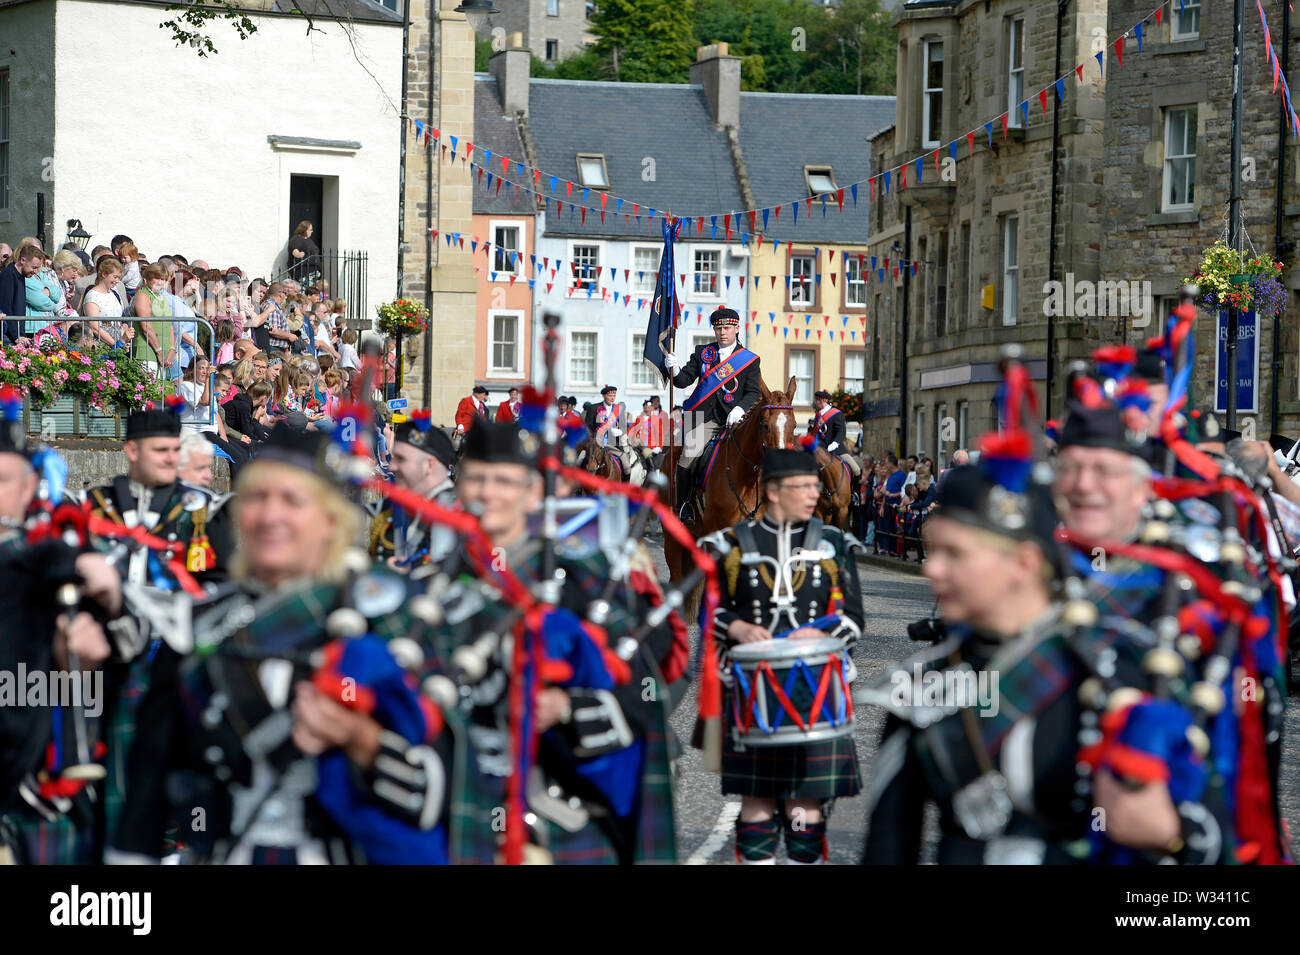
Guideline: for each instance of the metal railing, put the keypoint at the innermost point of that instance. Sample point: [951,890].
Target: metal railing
[71,417]
[338,273]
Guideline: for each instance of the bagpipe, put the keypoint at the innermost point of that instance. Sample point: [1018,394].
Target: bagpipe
[1217,641]
[537,641]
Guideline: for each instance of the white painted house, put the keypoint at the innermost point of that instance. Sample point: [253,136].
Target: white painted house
[215,157]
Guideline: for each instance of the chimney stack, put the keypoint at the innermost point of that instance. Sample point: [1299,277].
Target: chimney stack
[510,66]
[719,74]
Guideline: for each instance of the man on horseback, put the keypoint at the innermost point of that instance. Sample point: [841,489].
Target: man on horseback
[728,376]
[831,431]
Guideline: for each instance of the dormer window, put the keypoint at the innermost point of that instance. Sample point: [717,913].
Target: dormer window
[591,171]
[820,180]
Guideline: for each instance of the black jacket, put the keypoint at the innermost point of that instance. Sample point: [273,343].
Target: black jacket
[747,391]
[239,415]
[13,300]
[833,432]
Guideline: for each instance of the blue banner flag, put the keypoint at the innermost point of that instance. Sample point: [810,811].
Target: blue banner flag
[663,309]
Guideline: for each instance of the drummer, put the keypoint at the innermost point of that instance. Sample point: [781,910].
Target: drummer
[786,787]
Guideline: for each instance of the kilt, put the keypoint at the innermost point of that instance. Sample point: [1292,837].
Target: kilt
[822,770]
[34,841]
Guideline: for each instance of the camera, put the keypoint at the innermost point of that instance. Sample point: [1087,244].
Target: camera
[931,629]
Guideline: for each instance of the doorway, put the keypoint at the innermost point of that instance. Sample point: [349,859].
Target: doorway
[307,202]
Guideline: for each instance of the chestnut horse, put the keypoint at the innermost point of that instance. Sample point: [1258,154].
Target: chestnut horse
[732,492]
[837,489]
[602,462]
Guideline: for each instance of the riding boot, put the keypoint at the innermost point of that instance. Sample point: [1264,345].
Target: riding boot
[685,510]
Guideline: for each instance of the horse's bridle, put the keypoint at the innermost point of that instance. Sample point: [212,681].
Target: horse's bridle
[762,446]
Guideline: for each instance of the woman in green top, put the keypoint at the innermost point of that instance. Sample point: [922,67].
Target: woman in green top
[154,341]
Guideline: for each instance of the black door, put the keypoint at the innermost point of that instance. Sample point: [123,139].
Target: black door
[307,202]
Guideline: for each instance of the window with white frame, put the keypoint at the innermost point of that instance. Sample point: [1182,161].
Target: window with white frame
[643,377]
[706,267]
[582,359]
[1185,22]
[552,8]
[855,372]
[802,364]
[932,95]
[4,139]
[962,410]
[505,357]
[920,432]
[1010,269]
[855,287]
[552,50]
[645,269]
[699,339]
[1180,159]
[1015,70]
[505,250]
[584,261]
[801,280]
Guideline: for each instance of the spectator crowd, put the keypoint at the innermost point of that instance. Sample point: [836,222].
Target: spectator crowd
[277,350]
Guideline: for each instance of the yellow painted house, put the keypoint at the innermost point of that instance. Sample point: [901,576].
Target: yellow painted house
[807,309]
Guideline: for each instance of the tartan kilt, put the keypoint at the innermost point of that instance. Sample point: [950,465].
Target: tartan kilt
[34,841]
[825,769]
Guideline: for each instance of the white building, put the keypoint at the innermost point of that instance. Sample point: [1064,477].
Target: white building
[217,157]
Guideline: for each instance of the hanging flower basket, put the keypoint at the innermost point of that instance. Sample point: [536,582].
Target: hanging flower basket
[402,317]
[1229,279]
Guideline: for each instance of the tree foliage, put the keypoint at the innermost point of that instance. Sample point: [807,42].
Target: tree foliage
[645,41]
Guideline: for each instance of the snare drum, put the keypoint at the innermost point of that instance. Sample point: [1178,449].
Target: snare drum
[790,692]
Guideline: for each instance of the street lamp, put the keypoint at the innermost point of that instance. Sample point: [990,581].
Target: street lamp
[77,234]
[476,12]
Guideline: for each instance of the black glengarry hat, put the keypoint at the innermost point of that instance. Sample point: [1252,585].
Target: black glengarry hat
[788,462]
[421,435]
[500,443]
[154,422]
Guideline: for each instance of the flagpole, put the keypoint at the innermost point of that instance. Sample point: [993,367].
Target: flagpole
[672,340]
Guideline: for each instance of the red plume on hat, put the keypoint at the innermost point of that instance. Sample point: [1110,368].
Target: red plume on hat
[176,404]
[11,402]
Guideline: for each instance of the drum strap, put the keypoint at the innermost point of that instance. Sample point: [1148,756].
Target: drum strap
[745,537]
[972,729]
[812,535]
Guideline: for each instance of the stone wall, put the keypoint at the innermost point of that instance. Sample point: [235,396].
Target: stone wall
[958,216]
[442,72]
[1141,241]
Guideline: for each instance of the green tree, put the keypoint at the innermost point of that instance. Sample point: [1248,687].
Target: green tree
[645,41]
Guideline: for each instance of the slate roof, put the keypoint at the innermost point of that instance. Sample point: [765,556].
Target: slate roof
[628,123]
[780,133]
[500,133]
[693,172]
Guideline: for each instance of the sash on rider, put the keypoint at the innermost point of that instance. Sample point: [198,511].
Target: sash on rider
[603,414]
[740,359]
[825,415]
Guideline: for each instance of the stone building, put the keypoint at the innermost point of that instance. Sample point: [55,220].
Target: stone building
[551,29]
[1167,177]
[977,226]
[439,369]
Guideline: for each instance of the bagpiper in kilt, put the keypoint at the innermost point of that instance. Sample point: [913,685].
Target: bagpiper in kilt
[294,727]
[56,605]
[802,776]
[599,791]
[422,460]
[149,497]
